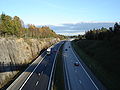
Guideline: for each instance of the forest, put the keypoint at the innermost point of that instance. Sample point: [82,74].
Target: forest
[100,49]
[104,33]
[14,26]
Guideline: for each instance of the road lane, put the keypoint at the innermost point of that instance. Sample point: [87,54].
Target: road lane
[73,82]
[45,72]
[79,79]
[21,79]
[40,77]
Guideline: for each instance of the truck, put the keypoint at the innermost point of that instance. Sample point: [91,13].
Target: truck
[48,51]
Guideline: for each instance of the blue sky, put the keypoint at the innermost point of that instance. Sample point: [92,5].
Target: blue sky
[58,12]
[62,11]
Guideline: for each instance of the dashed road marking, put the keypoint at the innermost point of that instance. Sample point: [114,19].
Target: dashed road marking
[37,83]
[75,70]
[80,81]
[42,72]
[39,74]
[30,74]
[85,70]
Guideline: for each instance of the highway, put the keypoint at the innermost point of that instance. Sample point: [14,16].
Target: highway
[78,77]
[38,76]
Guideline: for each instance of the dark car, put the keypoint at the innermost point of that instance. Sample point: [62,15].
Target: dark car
[76,63]
[65,49]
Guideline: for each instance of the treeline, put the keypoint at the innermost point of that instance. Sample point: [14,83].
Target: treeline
[104,33]
[15,27]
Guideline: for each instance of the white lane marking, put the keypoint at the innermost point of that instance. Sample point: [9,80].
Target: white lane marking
[75,70]
[42,72]
[80,81]
[66,70]
[37,83]
[18,79]
[39,74]
[53,68]
[67,73]
[30,74]
[85,70]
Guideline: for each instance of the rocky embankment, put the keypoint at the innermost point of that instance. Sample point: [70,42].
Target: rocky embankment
[17,52]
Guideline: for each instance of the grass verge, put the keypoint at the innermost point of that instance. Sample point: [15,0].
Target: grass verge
[59,75]
[97,55]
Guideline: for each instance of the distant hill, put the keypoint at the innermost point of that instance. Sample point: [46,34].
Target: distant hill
[79,28]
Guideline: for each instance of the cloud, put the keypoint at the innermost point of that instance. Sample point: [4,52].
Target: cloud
[70,30]
[72,34]
[79,28]
[82,26]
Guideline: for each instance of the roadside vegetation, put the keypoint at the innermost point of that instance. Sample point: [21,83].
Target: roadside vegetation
[59,75]
[14,26]
[100,51]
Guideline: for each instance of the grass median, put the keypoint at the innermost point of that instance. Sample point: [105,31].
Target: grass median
[59,75]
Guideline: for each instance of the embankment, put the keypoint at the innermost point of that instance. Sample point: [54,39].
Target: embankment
[102,57]
[15,52]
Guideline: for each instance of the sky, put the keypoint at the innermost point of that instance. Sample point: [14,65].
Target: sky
[58,12]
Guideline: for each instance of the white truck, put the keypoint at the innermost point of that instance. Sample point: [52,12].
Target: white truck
[48,51]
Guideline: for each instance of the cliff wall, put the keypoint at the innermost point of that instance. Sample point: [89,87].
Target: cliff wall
[16,52]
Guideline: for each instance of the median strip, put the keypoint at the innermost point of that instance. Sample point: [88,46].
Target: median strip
[59,76]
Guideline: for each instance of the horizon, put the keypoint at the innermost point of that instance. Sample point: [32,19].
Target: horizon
[58,13]
[71,27]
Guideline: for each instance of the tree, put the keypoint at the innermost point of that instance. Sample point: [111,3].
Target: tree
[6,24]
[18,28]
[116,27]
[15,26]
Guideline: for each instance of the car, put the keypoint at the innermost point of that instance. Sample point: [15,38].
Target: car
[76,63]
[65,49]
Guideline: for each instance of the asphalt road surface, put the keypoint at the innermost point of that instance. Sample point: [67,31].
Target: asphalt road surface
[38,75]
[78,77]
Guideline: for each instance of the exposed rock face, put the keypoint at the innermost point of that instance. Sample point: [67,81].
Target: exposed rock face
[20,51]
